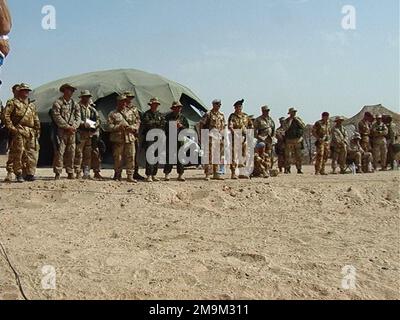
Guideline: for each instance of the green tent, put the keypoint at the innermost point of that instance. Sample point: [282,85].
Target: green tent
[105,86]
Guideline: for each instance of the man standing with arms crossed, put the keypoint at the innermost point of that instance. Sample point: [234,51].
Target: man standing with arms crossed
[322,132]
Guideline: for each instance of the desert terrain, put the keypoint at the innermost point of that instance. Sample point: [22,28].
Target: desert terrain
[279,238]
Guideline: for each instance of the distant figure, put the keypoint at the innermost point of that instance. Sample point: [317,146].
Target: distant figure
[379,131]
[213,120]
[364,128]
[264,130]
[357,155]
[280,145]
[175,116]
[339,146]
[261,161]
[5,28]
[294,143]
[152,119]
[22,121]
[391,140]
[86,133]
[322,133]
[123,125]
[238,123]
[66,117]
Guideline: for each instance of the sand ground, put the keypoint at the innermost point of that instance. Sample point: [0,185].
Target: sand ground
[280,238]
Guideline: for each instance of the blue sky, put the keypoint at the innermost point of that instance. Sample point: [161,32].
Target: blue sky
[277,52]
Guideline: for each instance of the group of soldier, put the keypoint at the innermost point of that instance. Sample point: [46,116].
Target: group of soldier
[76,138]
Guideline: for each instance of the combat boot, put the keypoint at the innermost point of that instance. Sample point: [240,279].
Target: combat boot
[9,177]
[20,178]
[234,176]
[218,177]
[207,178]
[30,178]
[130,179]
[155,179]
[181,178]
[167,177]
[98,176]
[57,177]
[117,177]
[149,179]
[78,175]
[299,171]
[71,176]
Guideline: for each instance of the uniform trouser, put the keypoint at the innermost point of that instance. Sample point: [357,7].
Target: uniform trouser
[179,166]
[65,154]
[280,152]
[323,152]
[137,147]
[261,168]
[366,144]
[83,153]
[212,167]
[151,169]
[380,153]
[10,163]
[24,153]
[356,157]
[390,155]
[96,160]
[339,157]
[124,153]
[239,160]
[293,149]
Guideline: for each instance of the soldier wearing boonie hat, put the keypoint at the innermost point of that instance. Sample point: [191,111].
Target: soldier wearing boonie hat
[294,143]
[322,133]
[67,119]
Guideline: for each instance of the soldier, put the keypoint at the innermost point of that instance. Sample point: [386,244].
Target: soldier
[124,125]
[89,125]
[264,127]
[22,121]
[98,148]
[213,120]
[130,96]
[67,119]
[294,131]
[322,133]
[152,119]
[261,161]
[238,123]
[182,123]
[364,128]
[339,146]
[280,145]
[10,162]
[379,131]
[391,139]
[357,155]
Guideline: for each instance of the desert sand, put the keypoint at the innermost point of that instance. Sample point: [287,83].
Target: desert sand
[280,238]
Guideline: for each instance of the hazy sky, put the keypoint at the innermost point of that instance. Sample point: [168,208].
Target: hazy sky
[277,52]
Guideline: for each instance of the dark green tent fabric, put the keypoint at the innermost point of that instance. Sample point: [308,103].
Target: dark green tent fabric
[105,86]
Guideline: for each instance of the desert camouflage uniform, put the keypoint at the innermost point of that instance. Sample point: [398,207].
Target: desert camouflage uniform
[356,154]
[213,121]
[261,165]
[391,140]
[322,132]
[364,128]
[293,142]
[339,148]
[241,123]
[65,114]
[10,161]
[123,141]
[265,132]
[379,149]
[280,147]
[22,121]
[85,153]
[136,111]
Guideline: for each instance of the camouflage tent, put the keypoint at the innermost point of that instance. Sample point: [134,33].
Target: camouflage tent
[105,86]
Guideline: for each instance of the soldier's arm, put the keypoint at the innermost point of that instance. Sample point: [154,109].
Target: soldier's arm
[301,123]
[57,118]
[8,110]
[36,122]
[77,117]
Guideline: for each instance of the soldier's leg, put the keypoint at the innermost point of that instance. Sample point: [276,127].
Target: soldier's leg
[129,157]
[367,161]
[299,156]
[30,156]
[335,157]
[16,152]
[319,158]
[87,154]
[96,160]
[325,158]
[342,159]
[288,152]
[383,153]
[118,149]
[79,156]
[376,155]
[58,159]
[70,154]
